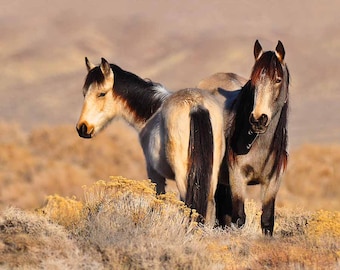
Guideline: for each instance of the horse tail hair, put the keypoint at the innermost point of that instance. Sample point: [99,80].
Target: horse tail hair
[200,152]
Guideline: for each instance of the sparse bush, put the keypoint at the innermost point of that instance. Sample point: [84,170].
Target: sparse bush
[29,241]
[123,224]
[67,212]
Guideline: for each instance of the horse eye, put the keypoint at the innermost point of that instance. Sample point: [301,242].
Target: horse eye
[101,94]
[278,80]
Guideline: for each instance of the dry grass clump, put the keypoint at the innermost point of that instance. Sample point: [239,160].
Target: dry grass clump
[132,227]
[29,241]
[65,211]
[324,224]
[123,224]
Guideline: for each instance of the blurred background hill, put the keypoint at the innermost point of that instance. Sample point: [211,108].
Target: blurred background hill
[177,43]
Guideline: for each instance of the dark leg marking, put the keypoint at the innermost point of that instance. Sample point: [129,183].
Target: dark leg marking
[238,216]
[223,205]
[267,218]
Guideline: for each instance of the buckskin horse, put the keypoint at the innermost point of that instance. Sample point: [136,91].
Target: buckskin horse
[181,133]
[256,137]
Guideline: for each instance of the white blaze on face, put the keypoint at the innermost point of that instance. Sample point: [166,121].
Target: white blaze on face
[98,108]
[263,99]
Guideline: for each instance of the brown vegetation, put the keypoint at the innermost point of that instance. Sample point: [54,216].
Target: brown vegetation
[54,160]
[122,224]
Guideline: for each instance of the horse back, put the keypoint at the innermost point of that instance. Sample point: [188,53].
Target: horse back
[176,112]
[227,81]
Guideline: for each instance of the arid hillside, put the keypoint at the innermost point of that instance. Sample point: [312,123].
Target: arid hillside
[52,160]
[54,211]
[43,46]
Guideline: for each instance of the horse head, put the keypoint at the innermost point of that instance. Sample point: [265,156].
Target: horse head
[99,101]
[269,79]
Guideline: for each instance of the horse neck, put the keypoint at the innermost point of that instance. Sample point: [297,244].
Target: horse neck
[140,99]
[240,134]
[273,143]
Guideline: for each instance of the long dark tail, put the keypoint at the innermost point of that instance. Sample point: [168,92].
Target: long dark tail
[200,152]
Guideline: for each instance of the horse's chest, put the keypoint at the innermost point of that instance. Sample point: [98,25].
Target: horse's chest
[254,167]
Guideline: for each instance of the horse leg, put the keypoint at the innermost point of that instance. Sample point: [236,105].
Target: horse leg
[269,193]
[267,218]
[210,219]
[156,178]
[223,196]
[238,215]
[223,205]
[238,194]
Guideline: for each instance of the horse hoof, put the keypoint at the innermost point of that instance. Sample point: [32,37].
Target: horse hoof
[267,232]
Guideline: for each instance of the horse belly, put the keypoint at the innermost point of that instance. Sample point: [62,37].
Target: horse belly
[152,142]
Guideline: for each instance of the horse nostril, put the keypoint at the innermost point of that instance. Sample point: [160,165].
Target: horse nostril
[252,119]
[263,120]
[82,131]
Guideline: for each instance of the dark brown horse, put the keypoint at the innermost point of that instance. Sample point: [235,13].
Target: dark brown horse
[256,139]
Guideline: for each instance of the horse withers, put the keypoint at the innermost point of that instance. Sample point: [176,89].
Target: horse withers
[256,139]
[181,133]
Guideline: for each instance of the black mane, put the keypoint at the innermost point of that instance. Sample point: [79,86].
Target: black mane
[239,126]
[140,95]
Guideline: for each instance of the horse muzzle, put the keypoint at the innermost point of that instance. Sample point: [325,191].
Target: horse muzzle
[84,131]
[260,124]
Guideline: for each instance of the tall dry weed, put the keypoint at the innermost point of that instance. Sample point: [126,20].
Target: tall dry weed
[126,224]
[123,224]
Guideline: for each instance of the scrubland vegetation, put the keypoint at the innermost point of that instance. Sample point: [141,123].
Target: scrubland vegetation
[56,215]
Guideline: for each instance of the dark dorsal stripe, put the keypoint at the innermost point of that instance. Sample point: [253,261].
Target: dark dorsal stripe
[140,95]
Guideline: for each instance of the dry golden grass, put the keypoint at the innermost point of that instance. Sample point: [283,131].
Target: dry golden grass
[313,176]
[122,224]
[54,160]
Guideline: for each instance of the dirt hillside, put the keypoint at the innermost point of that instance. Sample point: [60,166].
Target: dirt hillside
[177,43]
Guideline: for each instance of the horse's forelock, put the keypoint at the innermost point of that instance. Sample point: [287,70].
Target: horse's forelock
[95,75]
[268,63]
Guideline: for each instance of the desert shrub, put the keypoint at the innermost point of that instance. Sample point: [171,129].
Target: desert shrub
[29,241]
[136,229]
[123,224]
[67,212]
[323,225]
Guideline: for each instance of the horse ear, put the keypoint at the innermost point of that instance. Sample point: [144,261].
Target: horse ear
[105,68]
[257,50]
[88,64]
[280,50]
